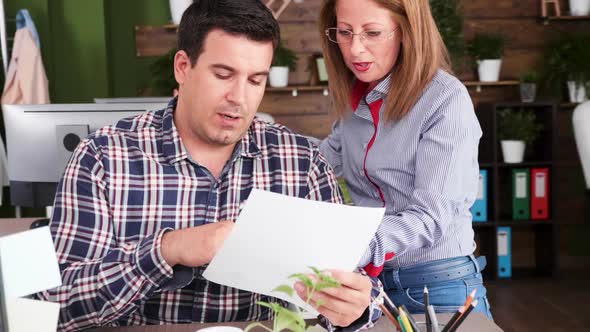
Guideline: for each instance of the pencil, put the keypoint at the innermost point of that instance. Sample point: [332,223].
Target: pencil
[463,316]
[426,313]
[470,298]
[390,305]
[433,319]
[410,318]
[453,319]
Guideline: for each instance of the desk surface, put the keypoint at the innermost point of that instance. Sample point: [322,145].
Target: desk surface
[474,322]
[12,225]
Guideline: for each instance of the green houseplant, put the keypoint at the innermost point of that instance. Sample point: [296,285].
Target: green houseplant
[516,129]
[487,51]
[285,318]
[449,20]
[283,61]
[566,60]
[163,82]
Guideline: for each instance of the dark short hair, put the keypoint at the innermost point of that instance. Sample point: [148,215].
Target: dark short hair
[250,18]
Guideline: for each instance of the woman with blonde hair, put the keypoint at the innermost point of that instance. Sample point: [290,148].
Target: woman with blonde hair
[407,139]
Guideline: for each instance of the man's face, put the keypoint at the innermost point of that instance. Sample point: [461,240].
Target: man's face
[219,96]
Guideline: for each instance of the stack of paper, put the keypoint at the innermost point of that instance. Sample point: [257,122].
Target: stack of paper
[28,264]
[276,236]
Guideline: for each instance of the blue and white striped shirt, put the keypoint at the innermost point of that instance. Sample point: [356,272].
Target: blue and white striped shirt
[422,168]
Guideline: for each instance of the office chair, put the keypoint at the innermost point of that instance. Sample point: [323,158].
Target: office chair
[39,223]
[581,121]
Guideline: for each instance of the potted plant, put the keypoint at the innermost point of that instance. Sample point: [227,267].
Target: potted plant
[177,8]
[449,20]
[566,61]
[579,7]
[283,61]
[287,319]
[515,130]
[528,86]
[163,82]
[487,51]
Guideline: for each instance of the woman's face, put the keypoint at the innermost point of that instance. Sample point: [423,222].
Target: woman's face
[372,54]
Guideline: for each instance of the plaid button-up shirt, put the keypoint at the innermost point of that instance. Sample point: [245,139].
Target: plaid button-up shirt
[127,184]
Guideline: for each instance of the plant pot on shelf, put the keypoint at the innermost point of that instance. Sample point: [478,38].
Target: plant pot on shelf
[177,8]
[528,92]
[489,70]
[278,76]
[513,151]
[577,92]
[579,7]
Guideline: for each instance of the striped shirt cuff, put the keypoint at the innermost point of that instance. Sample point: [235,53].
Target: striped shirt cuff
[150,261]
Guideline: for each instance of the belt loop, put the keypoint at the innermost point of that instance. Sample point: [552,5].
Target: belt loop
[396,280]
[474,260]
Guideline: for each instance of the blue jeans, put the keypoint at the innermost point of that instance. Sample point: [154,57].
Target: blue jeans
[447,280]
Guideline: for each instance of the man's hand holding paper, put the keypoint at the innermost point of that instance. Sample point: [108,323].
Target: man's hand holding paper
[277,236]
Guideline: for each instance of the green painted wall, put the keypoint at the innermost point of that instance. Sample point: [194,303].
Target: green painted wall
[128,73]
[88,46]
[88,49]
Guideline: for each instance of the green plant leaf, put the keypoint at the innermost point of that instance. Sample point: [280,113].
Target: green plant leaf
[519,125]
[316,270]
[162,71]
[449,20]
[486,46]
[287,319]
[284,289]
[284,56]
[256,324]
[565,59]
[304,278]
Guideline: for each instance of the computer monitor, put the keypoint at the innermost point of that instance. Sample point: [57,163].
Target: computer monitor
[41,138]
[132,100]
[3,312]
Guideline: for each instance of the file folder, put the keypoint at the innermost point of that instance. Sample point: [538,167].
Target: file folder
[521,201]
[539,193]
[479,210]
[504,235]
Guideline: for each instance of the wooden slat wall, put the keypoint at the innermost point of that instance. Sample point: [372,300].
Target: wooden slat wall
[518,20]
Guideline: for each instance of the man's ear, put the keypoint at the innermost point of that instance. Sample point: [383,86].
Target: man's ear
[182,64]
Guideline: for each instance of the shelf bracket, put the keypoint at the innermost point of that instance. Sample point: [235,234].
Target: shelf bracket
[279,11]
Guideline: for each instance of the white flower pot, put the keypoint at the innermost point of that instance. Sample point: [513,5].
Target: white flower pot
[177,8]
[577,92]
[579,7]
[489,70]
[278,77]
[513,151]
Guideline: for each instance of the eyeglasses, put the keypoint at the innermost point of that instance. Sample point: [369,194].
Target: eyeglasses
[368,37]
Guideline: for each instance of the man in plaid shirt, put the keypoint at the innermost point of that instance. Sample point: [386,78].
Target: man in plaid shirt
[145,204]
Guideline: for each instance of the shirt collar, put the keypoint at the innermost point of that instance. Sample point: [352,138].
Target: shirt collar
[359,90]
[174,149]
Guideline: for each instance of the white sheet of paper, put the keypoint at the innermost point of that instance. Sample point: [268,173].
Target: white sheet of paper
[29,263]
[31,315]
[276,236]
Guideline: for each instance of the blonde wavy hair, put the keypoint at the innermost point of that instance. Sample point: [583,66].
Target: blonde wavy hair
[422,53]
